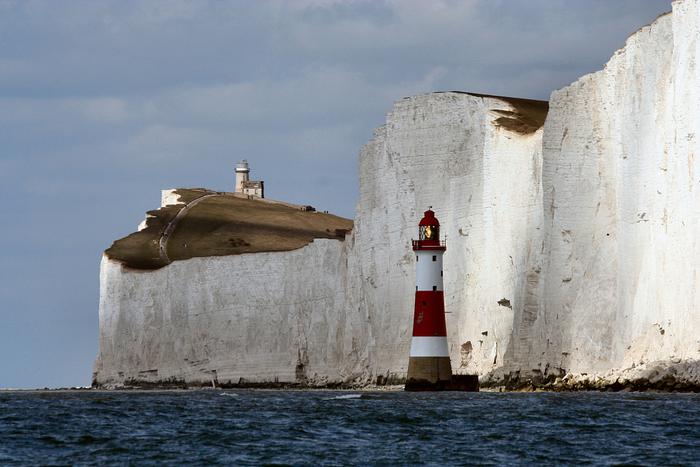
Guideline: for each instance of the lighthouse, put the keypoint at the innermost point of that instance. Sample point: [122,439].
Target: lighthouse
[429,366]
[242,174]
[245,186]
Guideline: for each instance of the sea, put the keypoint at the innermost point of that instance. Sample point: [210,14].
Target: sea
[272,427]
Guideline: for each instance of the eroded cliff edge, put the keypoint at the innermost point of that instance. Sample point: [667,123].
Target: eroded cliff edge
[571,258]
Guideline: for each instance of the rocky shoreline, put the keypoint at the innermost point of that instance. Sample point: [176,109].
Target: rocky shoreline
[674,375]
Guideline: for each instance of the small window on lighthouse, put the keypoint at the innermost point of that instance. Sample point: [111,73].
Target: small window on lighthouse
[434,258]
[416,257]
[434,288]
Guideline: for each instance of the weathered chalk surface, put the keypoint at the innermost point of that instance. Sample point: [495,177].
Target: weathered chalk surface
[621,188]
[571,260]
[257,317]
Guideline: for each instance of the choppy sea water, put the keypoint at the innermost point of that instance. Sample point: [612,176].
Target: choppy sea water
[252,427]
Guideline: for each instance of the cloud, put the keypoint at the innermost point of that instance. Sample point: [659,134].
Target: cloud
[106,109]
[116,48]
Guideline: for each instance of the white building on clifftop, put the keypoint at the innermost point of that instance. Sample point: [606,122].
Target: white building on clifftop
[245,186]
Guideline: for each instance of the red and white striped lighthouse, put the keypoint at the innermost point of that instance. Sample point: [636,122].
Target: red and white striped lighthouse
[429,362]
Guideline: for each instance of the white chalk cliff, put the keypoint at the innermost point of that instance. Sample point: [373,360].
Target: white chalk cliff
[572,247]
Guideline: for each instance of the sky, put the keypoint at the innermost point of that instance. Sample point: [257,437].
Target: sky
[105,103]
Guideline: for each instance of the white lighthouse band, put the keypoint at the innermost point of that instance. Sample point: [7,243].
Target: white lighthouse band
[429,270]
[429,346]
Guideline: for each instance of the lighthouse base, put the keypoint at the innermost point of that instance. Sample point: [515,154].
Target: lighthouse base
[435,374]
[464,383]
[429,369]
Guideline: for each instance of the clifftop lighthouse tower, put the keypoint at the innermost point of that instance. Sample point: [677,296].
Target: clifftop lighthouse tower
[251,188]
[242,174]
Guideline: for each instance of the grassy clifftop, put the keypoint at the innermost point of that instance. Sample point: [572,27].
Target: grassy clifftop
[218,224]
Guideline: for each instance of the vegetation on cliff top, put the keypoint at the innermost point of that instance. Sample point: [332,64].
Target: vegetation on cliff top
[527,116]
[217,224]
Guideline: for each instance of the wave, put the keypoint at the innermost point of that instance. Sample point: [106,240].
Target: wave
[344,396]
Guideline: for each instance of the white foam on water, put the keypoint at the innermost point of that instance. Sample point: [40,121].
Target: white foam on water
[344,396]
[229,394]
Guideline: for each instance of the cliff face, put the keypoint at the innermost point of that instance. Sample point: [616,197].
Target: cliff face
[256,317]
[571,247]
[450,151]
[621,204]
